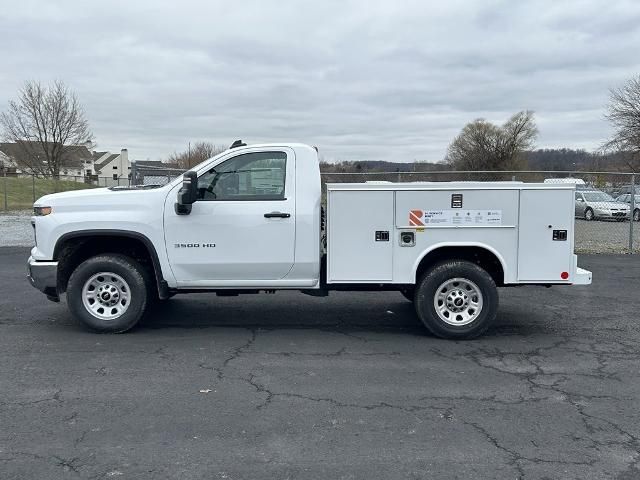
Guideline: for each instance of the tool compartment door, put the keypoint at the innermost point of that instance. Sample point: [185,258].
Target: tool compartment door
[546,216]
[360,235]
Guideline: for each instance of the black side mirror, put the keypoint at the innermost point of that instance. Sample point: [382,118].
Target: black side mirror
[188,194]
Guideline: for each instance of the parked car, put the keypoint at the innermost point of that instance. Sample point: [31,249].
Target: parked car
[627,199]
[594,204]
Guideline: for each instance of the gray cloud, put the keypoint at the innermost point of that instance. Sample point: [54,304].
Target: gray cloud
[360,79]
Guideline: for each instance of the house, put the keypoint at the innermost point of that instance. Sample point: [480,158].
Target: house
[111,168]
[154,172]
[78,163]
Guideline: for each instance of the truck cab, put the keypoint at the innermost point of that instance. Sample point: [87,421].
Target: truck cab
[250,219]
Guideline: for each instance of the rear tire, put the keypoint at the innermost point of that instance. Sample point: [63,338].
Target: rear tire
[588,215]
[108,293]
[457,299]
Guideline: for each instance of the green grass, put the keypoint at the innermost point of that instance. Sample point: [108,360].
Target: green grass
[20,191]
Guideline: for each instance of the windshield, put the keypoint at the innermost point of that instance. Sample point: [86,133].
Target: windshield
[598,197]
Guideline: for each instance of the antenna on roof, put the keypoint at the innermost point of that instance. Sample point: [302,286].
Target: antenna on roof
[237,143]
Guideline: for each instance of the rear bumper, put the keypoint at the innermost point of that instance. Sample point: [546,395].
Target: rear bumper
[44,277]
[582,277]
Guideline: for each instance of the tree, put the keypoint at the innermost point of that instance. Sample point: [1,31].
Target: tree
[42,122]
[481,145]
[197,153]
[624,114]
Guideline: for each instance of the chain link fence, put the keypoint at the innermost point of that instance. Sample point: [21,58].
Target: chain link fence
[607,208]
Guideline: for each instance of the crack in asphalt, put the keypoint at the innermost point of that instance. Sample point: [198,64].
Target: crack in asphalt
[533,377]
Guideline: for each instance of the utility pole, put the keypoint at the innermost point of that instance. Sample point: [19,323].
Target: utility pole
[189,156]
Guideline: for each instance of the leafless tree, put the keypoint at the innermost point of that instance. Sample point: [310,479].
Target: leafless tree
[484,146]
[43,121]
[197,153]
[624,114]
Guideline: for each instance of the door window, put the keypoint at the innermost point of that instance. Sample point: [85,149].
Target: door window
[250,176]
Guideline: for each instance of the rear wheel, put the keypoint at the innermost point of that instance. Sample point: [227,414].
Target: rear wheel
[588,214]
[108,293]
[457,299]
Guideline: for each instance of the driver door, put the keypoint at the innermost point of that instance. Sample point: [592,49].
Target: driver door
[242,227]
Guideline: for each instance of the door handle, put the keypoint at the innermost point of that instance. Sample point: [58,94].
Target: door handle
[277,215]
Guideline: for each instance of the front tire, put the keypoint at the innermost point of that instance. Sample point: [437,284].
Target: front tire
[108,293]
[636,215]
[457,299]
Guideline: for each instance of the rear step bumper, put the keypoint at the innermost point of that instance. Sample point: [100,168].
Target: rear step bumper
[582,277]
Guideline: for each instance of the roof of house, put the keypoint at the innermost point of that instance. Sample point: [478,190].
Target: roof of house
[151,163]
[113,156]
[27,153]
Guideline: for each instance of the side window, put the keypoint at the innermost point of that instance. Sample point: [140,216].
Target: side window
[578,196]
[251,176]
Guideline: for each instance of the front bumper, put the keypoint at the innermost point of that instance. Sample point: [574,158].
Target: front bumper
[612,215]
[44,277]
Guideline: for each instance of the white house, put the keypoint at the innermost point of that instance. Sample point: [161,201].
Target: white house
[78,163]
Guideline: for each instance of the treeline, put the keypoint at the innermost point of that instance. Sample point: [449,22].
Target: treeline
[541,159]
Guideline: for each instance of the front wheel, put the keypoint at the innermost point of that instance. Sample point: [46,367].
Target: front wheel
[457,299]
[636,215]
[108,293]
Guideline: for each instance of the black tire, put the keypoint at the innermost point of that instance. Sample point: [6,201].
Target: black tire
[636,215]
[408,293]
[135,278]
[430,284]
[589,215]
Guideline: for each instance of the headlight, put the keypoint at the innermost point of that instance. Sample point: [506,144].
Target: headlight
[42,211]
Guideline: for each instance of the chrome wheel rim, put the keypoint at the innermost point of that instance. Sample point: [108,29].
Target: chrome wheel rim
[458,301]
[106,296]
[588,215]
[636,216]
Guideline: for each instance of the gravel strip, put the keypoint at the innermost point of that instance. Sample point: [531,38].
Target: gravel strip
[15,229]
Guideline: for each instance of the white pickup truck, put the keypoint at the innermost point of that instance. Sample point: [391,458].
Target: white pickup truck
[250,220]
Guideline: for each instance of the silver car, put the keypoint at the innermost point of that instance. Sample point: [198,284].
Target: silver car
[626,198]
[592,204]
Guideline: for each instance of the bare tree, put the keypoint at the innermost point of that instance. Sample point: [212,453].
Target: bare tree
[43,121]
[624,114]
[481,145]
[195,154]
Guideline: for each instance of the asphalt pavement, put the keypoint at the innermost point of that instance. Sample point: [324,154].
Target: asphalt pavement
[350,386]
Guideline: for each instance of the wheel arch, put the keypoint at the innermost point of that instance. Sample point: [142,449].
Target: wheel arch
[479,253]
[73,248]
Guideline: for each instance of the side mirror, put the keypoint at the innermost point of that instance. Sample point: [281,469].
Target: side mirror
[188,194]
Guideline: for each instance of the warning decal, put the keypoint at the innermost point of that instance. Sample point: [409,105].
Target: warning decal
[420,218]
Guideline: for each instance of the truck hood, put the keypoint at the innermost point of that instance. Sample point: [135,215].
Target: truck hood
[101,199]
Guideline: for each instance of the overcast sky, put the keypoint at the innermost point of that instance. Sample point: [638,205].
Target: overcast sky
[392,80]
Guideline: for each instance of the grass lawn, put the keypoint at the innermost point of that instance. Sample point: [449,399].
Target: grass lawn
[20,191]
